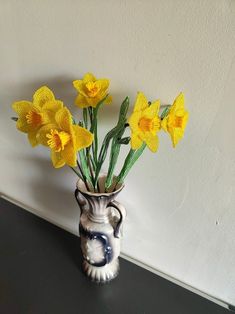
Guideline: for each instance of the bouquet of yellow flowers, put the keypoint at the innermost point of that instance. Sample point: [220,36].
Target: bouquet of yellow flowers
[75,143]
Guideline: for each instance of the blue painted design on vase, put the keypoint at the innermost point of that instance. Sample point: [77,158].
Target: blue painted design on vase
[108,252]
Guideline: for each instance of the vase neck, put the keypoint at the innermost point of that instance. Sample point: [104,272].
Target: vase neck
[97,217]
[98,208]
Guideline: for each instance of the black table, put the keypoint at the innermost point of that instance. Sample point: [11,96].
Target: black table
[40,273]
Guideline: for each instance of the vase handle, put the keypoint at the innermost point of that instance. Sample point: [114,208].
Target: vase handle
[80,200]
[122,213]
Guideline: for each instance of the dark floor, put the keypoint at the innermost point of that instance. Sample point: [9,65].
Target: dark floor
[40,273]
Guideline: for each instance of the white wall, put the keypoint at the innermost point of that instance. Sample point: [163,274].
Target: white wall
[180,203]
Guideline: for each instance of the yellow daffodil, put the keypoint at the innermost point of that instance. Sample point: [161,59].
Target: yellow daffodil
[175,122]
[33,115]
[91,91]
[64,139]
[145,123]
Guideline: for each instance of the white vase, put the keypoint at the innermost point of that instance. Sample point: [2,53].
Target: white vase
[100,230]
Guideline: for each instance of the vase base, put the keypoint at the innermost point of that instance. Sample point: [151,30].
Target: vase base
[101,274]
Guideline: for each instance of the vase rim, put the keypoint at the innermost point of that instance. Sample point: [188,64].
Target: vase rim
[82,188]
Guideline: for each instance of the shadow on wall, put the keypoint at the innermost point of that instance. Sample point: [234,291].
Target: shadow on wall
[63,89]
[52,190]
[61,86]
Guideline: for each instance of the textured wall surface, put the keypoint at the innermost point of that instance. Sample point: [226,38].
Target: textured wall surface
[180,203]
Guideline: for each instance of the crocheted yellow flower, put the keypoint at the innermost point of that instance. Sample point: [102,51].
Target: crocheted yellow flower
[64,139]
[91,91]
[145,123]
[176,120]
[32,115]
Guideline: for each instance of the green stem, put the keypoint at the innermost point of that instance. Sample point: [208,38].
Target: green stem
[94,128]
[96,143]
[91,171]
[83,168]
[130,160]
[165,112]
[95,113]
[93,164]
[115,150]
[116,145]
[75,171]
[84,111]
[104,149]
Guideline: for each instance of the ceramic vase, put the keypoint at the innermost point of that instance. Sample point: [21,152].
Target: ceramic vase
[100,228]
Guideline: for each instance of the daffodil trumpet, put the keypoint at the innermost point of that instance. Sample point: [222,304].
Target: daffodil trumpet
[48,122]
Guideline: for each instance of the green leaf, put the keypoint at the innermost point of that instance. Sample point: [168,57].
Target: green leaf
[116,145]
[123,110]
[104,149]
[111,134]
[84,165]
[115,150]
[124,140]
[131,158]
[93,129]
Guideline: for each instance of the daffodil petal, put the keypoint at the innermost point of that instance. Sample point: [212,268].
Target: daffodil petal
[104,84]
[64,119]
[89,77]
[69,155]
[134,121]
[53,105]
[22,107]
[43,95]
[32,138]
[57,159]
[152,142]
[108,100]
[22,125]
[164,124]
[178,103]
[83,138]
[93,101]
[80,87]
[185,120]
[136,142]
[152,110]
[81,101]
[176,135]
[36,108]
[141,102]
[77,84]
